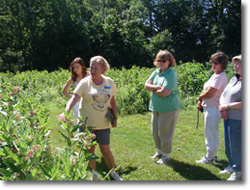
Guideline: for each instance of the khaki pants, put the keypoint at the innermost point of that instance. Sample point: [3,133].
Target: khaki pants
[163,128]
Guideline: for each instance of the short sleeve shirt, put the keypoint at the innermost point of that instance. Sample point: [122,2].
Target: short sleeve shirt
[95,101]
[219,82]
[232,93]
[168,80]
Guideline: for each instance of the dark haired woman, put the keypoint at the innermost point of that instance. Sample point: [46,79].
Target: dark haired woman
[78,72]
[209,100]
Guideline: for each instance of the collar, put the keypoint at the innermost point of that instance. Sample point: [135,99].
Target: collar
[159,71]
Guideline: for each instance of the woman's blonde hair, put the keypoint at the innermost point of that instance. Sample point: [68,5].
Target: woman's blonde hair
[102,61]
[236,58]
[165,55]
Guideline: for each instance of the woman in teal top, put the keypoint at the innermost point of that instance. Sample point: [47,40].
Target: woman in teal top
[164,104]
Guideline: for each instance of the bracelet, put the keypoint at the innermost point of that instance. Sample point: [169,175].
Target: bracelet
[228,106]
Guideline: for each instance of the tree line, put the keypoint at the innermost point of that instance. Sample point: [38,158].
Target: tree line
[49,34]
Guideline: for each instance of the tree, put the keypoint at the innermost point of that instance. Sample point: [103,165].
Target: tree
[48,34]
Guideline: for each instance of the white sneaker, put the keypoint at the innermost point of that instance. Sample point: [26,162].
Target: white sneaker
[227,170]
[115,176]
[94,176]
[156,155]
[204,160]
[235,176]
[163,160]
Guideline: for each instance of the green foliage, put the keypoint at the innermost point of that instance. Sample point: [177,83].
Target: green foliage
[191,78]
[26,148]
[25,152]
[23,135]
[131,97]
[48,34]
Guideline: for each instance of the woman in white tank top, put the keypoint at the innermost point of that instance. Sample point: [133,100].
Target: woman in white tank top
[78,72]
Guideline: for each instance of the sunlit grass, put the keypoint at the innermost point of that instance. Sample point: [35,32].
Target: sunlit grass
[132,145]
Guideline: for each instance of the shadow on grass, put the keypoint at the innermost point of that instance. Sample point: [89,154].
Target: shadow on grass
[191,172]
[221,164]
[102,168]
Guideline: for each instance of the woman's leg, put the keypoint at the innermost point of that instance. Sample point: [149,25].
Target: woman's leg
[155,132]
[212,120]
[166,127]
[92,163]
[108,156]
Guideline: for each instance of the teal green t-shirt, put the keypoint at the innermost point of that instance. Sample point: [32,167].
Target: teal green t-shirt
[167,79]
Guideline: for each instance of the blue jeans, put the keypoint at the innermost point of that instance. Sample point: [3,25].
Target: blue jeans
[232,133]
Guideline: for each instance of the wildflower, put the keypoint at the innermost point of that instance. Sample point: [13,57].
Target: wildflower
[63,176]
[86,137]
[93,136]
[16,89]
[35,148]
[33,113]
[72,122]
[16,175]
[86,144]
[74,161]
[10,93]
[17,116]
[1,95]
[30,154]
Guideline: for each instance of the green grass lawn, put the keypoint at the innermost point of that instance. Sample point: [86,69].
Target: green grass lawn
[132,145]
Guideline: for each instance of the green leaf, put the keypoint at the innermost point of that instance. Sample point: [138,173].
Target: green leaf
[12,155]
[75,128]
[34,172]
[44,171]
[55,169]
[5,173]
[64,126]
[64,136]
[2,153]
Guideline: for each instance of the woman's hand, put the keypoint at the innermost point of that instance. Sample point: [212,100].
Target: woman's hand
[158,88]
[61,117]
[224,114]
[199,106]
[223,107]
[149,86]
[115,122]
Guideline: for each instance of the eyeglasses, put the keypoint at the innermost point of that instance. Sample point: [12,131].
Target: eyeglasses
[163,61]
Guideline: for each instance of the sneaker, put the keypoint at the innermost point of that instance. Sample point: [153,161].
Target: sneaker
[163,160]
[94,176]
[227,170]
[157,155]
[235,176]
[115,176]
[204,160]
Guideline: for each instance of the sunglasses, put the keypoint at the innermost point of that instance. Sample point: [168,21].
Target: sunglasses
[163,61]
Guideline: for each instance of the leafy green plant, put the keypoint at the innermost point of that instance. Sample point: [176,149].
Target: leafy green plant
[191,78]
[23,136]
[72,160]
[24,141]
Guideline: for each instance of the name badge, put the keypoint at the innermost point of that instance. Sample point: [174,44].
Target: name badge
[107,87]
